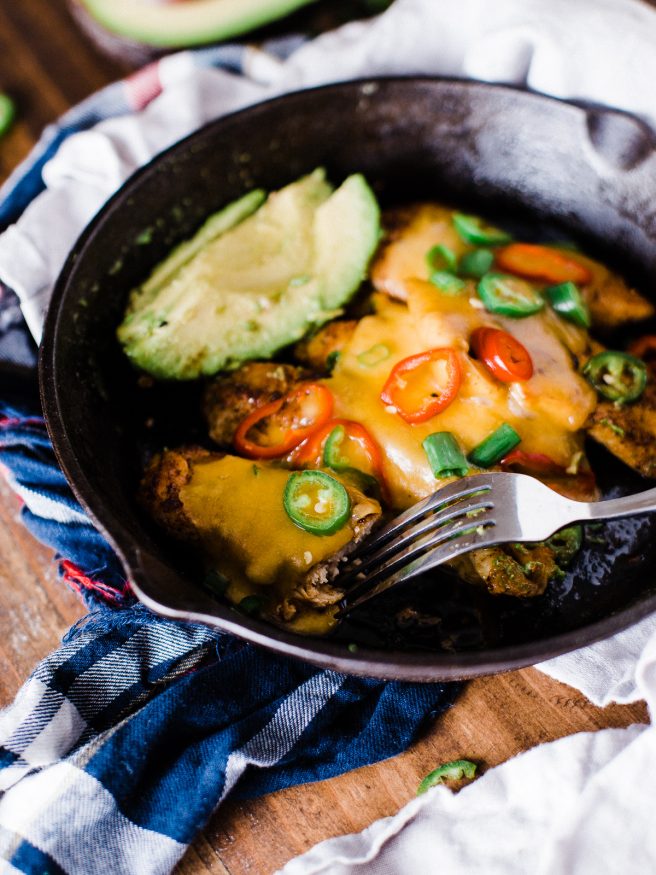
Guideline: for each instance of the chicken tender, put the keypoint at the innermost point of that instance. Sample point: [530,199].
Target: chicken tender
[230,399]
[231,506]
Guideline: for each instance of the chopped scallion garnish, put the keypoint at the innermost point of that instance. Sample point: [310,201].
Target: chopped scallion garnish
[444,455]
[495,446]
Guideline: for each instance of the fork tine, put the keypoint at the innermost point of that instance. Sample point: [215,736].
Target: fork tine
[426,524]
[384,581]
[452,530]
[448,495]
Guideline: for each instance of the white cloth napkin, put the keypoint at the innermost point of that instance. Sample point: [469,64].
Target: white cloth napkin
[577,806]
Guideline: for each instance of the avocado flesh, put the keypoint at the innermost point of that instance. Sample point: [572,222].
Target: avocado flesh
[259,286]
[192,22]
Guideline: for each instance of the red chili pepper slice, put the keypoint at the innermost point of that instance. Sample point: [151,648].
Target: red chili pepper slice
[535,463]
[312,450]
[541,263]
[503,355]
[415,391]
[644,347]
[283,424]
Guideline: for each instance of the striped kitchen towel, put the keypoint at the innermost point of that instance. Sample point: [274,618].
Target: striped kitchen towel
[125,740]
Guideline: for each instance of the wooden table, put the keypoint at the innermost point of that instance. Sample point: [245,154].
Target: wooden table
[48,65]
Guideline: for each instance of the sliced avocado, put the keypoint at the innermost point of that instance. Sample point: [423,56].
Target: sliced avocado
[216,225]
[259,286]
[187,23]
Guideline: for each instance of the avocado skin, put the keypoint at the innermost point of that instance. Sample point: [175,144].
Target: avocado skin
[194,22]
[261,285]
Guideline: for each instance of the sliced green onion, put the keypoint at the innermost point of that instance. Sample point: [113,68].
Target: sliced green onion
[7,113]
[567,301]
[495,446]
[373,356]
[565,544]
[456,770]
[447,282]
[476,264]
[441,257]
[618,376]
[509,296]
[444,455]
[316,502]
[474,230]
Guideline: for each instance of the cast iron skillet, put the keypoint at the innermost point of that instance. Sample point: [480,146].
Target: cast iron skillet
[550,168]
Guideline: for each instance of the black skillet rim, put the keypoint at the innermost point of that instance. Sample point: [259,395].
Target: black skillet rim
[425,667]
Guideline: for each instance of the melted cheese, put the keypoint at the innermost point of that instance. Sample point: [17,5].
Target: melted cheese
[233,508]
[547,411]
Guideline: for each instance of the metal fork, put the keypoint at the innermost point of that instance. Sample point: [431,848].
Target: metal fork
[479,511]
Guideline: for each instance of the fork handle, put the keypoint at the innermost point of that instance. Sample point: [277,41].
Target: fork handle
[613,508]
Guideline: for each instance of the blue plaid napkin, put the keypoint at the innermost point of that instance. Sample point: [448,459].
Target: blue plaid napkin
[124,741]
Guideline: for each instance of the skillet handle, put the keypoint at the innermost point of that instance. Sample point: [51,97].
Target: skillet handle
[619,140]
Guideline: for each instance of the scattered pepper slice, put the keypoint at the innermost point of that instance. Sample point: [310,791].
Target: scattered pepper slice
[618,376]
[276,428]
[416,391]
[472,229]
[456,770]
[509,296]
[502,354]
[7,113]
[542,263]
[316,502]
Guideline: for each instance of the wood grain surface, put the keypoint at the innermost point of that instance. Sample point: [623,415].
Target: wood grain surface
[47,64]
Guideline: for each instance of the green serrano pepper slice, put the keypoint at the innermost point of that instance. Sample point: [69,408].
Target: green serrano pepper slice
[316,502]
[509,296]
[472,229]
[618,376]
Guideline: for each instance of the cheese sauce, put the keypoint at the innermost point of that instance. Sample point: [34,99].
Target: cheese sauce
[548,411]
[231,502]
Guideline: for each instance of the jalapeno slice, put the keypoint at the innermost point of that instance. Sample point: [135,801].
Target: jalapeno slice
[618,376]
[472,229]
[316,502]
[509,296]
[457,770]
[7,113]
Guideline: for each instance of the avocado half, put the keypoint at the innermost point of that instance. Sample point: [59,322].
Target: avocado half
[257,276]
[179,23]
